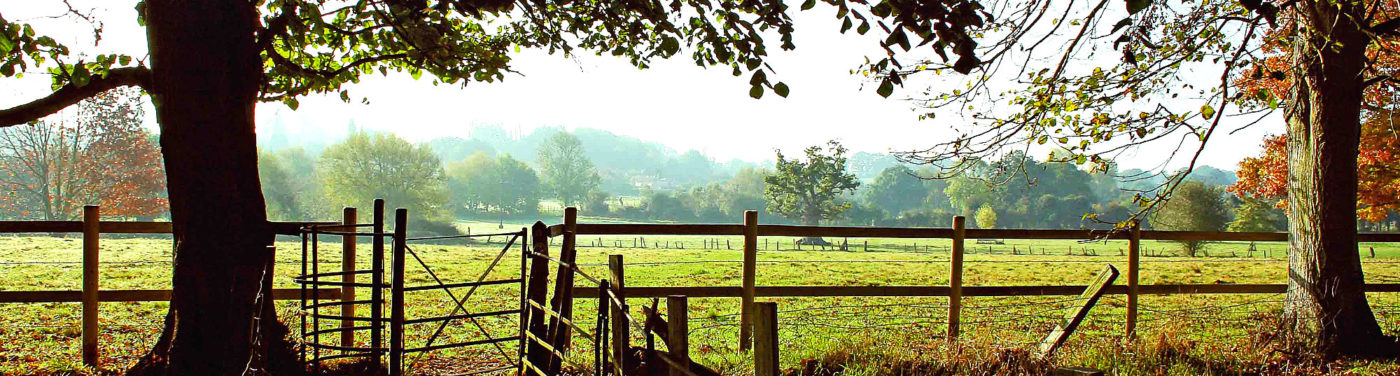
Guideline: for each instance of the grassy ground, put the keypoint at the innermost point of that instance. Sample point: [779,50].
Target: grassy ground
[1181,334]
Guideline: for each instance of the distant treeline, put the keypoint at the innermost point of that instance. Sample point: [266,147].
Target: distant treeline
[492,175]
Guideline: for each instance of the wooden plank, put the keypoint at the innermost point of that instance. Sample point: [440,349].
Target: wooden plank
[997,233]
[348,216]
[621,332]
[133,295]
[120,227]
[1051,290]
[92,233]
[1092,293]
[853,232]
[1216,236]
[955,271]
[40,226]
[1134,247]
[561,304]
[376,335]
[1378,237]
[535,292]
[396,311]
[765,351]
[678,332]
[658,229]
[749,272]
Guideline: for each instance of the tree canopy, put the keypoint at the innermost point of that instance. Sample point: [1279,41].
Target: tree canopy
[99,154]
[567,172]
[367,167]
[811,188]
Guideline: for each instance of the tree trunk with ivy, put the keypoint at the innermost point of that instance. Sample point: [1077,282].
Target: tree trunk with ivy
[206,77]
[1326,311]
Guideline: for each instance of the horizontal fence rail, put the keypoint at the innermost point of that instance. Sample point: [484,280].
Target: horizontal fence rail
[920,291]
[750,231]
[934,233]
[91,295]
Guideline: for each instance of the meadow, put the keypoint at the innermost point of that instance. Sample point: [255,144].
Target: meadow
[1178,334]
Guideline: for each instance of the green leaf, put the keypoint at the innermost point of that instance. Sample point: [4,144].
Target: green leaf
[845,25]
[886,88]
[124,59]
[80,75]
[756,92]
[5,44]
[291,103]
[781,89]
[863,28]
[1135,6]
[1207,112]
[809,4]
[1122,24]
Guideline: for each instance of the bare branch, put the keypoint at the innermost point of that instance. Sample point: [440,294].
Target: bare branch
[71,94]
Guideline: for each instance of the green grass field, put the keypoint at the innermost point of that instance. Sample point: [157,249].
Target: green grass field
[871,333]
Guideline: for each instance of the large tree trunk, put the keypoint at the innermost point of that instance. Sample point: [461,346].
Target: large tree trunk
[206,73]
[1326,311]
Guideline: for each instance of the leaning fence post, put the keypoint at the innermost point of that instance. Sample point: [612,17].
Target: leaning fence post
[536,289]
[1134,241]
[396,314]
[765,353]
[621,331]
[678,312]
[349,217]
[955,278]
[563,304]
[377,279]
[750,261]
[92,222]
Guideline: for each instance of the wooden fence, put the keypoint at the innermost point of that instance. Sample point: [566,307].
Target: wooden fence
[92,228]
[751,230]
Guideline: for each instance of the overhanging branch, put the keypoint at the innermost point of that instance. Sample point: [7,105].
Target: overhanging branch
[71,94]
[1391,27]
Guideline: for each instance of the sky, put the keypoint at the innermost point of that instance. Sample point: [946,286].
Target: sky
[674,102]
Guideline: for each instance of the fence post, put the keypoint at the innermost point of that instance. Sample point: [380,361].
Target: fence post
[349,217]
[92,222]
[750,261]
[563,304]
[955,278]
[377,292]
[678,312]
[396,314]
[535,293]
[1134,241]
[621,332]
[765,353]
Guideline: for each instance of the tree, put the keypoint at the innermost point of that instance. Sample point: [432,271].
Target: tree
[502,185]
[1193,206]
[966,194]
[986,217]
[367,167]
[1259,215]
[896,189]
[292,186]
[567,172]
[810,189]
[97,155]
[1066,97]
[1378,170]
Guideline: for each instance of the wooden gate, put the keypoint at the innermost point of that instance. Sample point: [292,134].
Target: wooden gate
[329,328]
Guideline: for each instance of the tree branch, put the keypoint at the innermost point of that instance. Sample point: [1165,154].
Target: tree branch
[70,94]
[1391,27]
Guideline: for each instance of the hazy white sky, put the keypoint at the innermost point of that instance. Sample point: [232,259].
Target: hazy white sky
[675,102]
